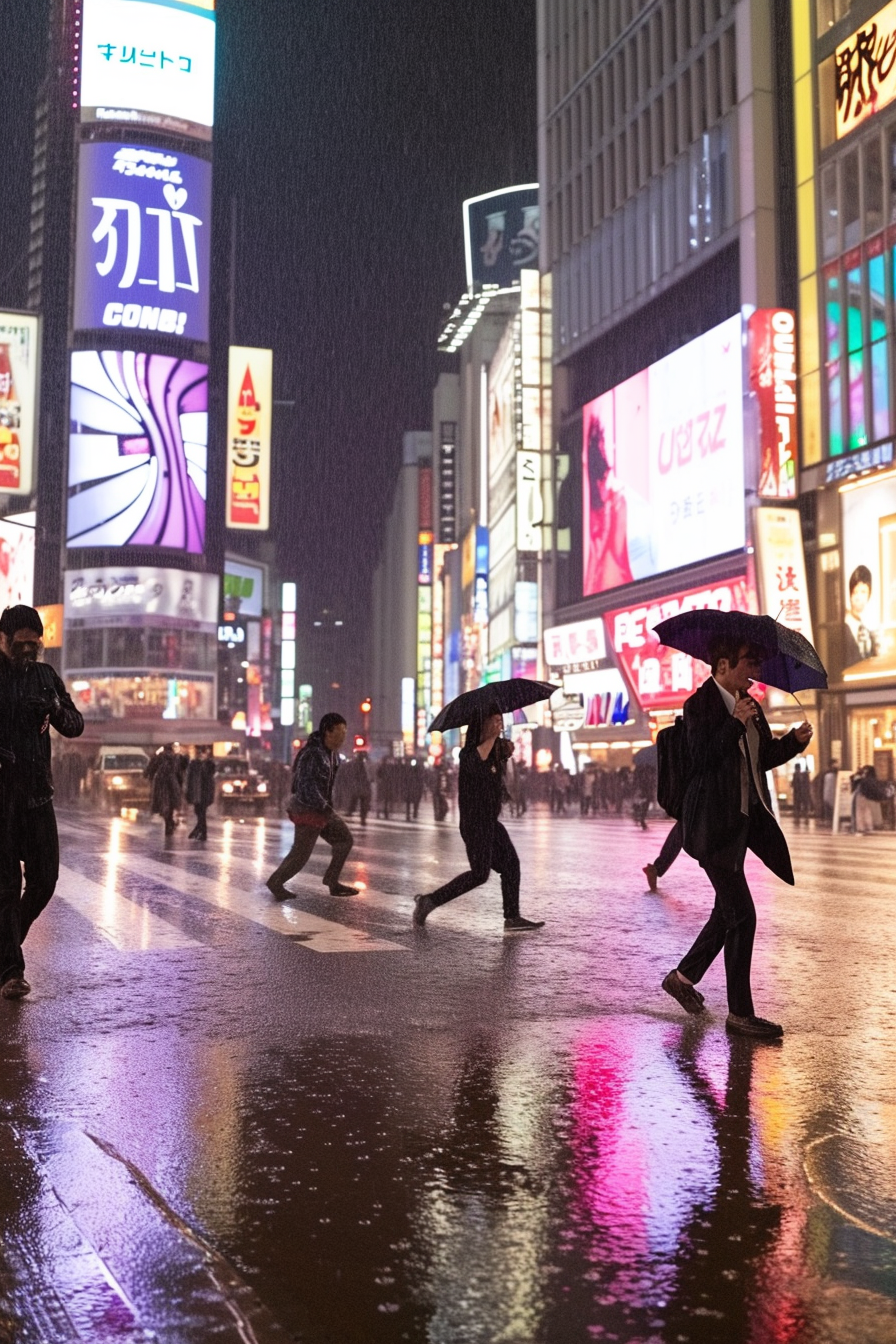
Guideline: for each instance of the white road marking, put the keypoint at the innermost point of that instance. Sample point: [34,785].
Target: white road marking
[125,924]
[232,895]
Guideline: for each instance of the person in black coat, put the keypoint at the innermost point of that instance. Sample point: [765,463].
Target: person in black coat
[480,792]
[200,790]
[32,700]
[727,810]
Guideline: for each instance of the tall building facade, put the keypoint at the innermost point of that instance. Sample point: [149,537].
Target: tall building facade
[666,161]
[120,271]
[845,119]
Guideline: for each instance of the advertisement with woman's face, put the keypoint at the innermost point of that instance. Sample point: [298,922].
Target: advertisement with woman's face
[868,631]
[662,464]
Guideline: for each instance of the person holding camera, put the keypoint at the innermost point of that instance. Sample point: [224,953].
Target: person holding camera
[32,700]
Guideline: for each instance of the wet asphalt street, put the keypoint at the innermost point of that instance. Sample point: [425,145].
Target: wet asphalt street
[227,1119]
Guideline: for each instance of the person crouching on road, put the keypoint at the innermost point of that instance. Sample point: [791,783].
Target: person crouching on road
[480,792]
[32,698]
[727,810]
[311,809]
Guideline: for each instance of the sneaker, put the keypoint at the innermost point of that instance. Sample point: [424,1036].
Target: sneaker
[520,925]
[16,987]
[277,890]
[423,907]
[753,1026]
[686,995]
[341,890]
[649,871]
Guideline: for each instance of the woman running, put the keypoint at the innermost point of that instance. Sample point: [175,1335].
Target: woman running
[480,792]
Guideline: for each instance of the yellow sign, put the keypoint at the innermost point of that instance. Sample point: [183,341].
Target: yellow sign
[249,400]
[468,559]
[52,619]
[865,66]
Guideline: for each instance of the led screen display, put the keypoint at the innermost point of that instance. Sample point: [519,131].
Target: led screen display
[501,235]
[663,464]
[137,451]
[142,255]
[867,643]
[149,63]
[16,563]
[19,352]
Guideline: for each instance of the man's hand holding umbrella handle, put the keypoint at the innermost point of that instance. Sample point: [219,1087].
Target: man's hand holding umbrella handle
[803,734]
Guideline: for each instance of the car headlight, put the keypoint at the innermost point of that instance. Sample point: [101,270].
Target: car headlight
[117,782]
[227,788]
[262,787]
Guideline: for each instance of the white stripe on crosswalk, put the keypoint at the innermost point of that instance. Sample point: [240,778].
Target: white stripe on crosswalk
[125,924]
[317,934]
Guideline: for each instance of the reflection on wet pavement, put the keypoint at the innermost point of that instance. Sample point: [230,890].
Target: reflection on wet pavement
[211,1133]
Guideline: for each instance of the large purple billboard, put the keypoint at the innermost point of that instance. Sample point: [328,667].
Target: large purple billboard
[142,252]
[137,451]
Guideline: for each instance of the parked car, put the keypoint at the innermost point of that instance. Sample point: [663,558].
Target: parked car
[240,787]
[116,778]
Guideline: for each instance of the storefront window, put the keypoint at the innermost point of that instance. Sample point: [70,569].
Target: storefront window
[852,222]
[858,429]
[873,185]
[137,698]
[880,389]
[830,215]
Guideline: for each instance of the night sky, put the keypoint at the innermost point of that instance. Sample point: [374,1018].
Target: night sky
[350,131]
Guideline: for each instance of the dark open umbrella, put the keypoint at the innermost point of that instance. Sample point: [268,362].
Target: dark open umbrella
[790,663]
[507,695]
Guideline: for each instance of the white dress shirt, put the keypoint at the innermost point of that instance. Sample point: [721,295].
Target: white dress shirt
[749,754]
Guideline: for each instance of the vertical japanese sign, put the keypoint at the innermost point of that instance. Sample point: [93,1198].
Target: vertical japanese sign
[142,257]
[866,70]
[782,568]
[249,398]
[772,352]
[18,402]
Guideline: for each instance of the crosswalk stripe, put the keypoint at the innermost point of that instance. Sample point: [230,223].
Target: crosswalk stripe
[127,925]
[317,934]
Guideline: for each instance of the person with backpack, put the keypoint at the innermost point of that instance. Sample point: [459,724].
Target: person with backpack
[726,809]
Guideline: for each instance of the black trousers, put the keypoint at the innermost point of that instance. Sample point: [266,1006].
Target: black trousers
[731,926]
[670,850]
[29,840]
[487,850]
[336,834]
[200,830]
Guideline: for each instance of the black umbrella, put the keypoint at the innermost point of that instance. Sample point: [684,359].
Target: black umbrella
[506,695]
[790,663]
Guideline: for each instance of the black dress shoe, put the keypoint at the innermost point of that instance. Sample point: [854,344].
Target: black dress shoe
[341,890]
[686,995]
[751,1025]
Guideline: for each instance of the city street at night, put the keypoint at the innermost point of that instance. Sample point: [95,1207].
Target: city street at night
[224,1117]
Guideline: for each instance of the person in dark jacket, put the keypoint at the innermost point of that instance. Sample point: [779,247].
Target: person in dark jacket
[200,790]
[314,774]
[727,810]
[32,699]
[480,793]
[165,773]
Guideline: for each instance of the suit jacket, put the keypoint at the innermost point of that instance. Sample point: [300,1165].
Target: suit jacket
[711,817]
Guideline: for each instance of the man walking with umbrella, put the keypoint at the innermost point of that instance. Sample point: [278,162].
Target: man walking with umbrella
[726,810]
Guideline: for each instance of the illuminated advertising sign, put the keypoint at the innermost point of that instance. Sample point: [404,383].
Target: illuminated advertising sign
[149,63]
[52,618]
[18,402]
[249,391]
[16,563]
[448,481]
[424,557]
[577,647]
[137,595]
[662,678]
[782,568]
[137,451]
[243,587]
[868,629]
[663,464]
[866,70]
[501,234]
[529,503]
[772,350]
[142,254]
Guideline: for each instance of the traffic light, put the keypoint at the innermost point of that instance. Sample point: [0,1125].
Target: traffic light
[360,742]
[365,705]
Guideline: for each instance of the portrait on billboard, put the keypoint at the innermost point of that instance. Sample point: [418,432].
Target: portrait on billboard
[868,629]
[137,451]
[501,236]
[150,63]
[18,401]
[662,464]
[142,251]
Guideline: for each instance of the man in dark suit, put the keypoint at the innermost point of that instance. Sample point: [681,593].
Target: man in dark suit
[727,810]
